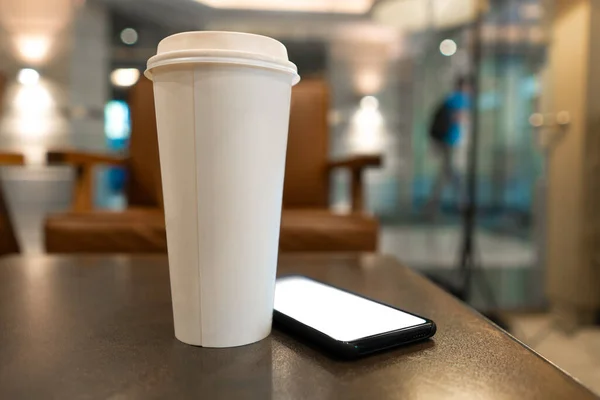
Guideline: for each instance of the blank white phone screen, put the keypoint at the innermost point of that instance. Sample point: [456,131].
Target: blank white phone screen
[338,314]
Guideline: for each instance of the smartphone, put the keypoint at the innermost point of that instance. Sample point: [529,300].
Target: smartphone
[343,323]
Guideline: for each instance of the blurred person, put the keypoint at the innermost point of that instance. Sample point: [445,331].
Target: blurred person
[448,127]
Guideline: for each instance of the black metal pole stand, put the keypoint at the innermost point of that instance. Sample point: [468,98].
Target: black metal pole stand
[468,262]
[467,254]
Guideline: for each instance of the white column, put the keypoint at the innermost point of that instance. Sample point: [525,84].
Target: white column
[89,76]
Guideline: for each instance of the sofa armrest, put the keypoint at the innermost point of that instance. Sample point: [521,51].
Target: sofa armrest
[11,158]
[356,165]
[84,163]
[82,158]
[357,162]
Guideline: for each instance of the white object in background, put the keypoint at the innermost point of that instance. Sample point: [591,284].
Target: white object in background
[28,77]
[129,36]
[222,108]
[448,47]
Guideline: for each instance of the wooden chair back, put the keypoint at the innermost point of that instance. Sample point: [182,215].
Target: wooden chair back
[306,175]
[306,178]
[144,186]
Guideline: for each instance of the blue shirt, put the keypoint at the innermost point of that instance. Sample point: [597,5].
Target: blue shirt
[457,102]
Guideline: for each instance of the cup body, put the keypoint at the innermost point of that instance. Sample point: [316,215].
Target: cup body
[222,134]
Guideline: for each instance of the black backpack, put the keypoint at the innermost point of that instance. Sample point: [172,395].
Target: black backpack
[440,124]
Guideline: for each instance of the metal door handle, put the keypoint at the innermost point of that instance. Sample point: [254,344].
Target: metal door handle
[550,128]
[560,119]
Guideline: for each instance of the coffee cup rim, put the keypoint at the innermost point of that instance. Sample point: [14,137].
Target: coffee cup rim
[217,56]
[218,47]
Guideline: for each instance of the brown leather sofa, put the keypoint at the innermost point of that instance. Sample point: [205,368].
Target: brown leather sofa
[306,225]
[8,239]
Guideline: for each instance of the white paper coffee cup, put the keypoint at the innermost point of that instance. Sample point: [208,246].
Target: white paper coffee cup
[222,109]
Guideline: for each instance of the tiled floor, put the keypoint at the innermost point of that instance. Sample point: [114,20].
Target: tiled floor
[510,266]
[507,274]
[578,353]
[426,247]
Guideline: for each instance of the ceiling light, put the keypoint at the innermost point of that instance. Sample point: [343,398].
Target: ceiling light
[416,15]
[448,47]
[129,36]
[317,6]
[28,77]
[125,77]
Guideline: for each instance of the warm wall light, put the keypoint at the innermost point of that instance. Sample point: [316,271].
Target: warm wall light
[366,134]
[28,77]
[125,77]
[33,49]
[31,26]
[317,6]
[368,81]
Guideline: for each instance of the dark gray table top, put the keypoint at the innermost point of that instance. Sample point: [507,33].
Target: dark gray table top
[101,327]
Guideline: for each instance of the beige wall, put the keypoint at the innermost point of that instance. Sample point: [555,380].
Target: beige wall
[592,146]
[572,281]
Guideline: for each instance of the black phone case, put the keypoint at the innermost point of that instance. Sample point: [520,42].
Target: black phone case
[360,347]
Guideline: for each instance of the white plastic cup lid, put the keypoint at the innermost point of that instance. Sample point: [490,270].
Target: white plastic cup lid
[224,48]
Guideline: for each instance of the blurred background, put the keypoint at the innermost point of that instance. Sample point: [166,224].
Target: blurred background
[68,68]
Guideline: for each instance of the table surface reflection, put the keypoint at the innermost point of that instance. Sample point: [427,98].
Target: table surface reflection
[101,327]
